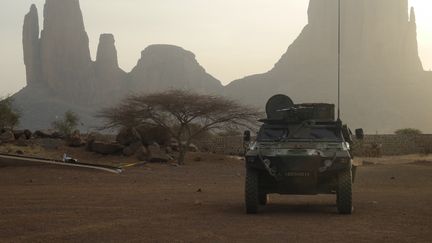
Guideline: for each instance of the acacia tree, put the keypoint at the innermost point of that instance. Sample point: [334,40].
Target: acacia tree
[185,115]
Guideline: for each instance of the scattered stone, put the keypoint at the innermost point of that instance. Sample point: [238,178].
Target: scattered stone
[93,137]
[143,153]
[198,202]
[128,136]
[22,141]
[193,148]
[7,137]
[132,148]
[198,159]
[106,148]
[19,133]
[156,154]
[75,139]
[20,152]
[199,190]
[392,178]
[49,133]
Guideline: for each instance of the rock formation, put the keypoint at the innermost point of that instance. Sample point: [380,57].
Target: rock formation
[164,67]
[31,46]
[380,61]
[384,86]
[110,78]
[67,68]
[61,75]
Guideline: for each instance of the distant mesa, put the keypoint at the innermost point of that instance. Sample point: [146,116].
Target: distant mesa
[62,76]
[384,85]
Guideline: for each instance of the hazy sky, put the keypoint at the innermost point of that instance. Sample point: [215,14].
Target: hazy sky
[231,38]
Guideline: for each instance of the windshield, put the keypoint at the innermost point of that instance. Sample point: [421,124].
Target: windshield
[273,133]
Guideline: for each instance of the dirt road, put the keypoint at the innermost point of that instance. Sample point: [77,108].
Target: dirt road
[203,202]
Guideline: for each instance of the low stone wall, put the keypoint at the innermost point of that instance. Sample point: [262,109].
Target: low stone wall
[371,145]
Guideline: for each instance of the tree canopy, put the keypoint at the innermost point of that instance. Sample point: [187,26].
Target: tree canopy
[184,114]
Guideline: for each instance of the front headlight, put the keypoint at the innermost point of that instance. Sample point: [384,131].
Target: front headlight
[345,146]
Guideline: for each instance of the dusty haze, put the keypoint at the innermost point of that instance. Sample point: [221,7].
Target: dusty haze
[231,39]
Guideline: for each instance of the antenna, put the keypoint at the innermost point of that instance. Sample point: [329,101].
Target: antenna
[339,57]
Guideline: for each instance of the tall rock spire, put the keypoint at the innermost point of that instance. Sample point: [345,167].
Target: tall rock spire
[65,54]
[31,46]
[106,58]
[411,43]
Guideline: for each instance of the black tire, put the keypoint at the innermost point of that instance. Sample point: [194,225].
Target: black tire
[263,199]
[251,191]
[344,192]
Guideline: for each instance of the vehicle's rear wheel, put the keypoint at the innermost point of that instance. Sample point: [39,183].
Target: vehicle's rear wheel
[344,192]
[263,198]
[252,199]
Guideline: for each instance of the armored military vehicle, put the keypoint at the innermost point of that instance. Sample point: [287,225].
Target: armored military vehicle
[300,149]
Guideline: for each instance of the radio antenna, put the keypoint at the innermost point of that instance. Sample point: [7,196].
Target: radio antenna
[339,58]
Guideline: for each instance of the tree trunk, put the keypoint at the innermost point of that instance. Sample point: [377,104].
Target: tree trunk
[183,149]
[182,154]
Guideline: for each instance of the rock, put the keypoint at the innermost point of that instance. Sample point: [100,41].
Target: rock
[163,67]
[154,134]
[7,137]
[67,68]
[106,57]
[107,70]
[22,141]
[132,149]
[19,133]
[156,154]
[193,148]
[75,139]
[128,136]
[49,133]
[93,137]
[106,148]
[143,154]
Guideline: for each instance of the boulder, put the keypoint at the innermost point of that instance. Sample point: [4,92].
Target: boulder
[193,148]
[49,133]
[22,141]
[128,136]
[19,133]
[7,137]
[143,153]
[156,154]
[106,148]
[75,139]
[132,149]
[93,137]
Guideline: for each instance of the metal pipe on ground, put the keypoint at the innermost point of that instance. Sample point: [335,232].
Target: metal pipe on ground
[16,159]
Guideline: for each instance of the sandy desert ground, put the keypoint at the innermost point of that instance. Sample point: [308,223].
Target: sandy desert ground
[203,202]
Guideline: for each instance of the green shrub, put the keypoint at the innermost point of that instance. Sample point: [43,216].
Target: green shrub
[9,117]
[408,131]
[67,124]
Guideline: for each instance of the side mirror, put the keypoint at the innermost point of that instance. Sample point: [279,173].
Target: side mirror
[359,133]
[247,136]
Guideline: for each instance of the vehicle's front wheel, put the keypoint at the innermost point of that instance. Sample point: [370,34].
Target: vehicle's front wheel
[252,197]
[344,192]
